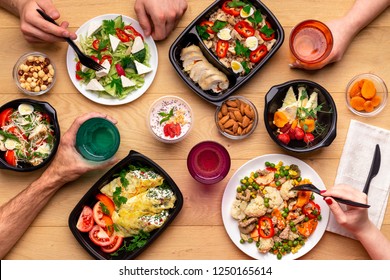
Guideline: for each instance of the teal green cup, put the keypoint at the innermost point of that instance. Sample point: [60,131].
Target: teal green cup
[97,139]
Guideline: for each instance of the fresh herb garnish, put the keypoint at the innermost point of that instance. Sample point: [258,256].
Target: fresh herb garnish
[241,49]
[202,31]
[267,31]
[108,26]
[234,4]
[245,66]
[256,18]
[218,25]
[166,116]
[104,208]
[138,241]
[123,178]
[117,198]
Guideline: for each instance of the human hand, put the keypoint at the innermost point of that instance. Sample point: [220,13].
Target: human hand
[158,17]
[68,164]
[354,219]
[37,30]
[342,38]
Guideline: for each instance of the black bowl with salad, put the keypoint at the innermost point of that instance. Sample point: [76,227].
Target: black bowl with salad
[225,46]
[29,134]
[126,209]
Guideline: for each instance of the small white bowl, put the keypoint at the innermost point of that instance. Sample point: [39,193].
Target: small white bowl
[34,73]
[170,119]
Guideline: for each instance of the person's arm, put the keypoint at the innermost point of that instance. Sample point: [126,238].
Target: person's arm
[159,17]
[34,28]
[346,28]
[356,220]
[67,165]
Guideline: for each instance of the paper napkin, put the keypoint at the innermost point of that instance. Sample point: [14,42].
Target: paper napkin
[355,163]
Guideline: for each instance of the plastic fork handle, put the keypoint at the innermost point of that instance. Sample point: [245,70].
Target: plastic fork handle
[351,203]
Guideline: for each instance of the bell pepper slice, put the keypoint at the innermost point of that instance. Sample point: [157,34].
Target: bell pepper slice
[256,55]
[266,227]
[222,48]
[244,28]
[234,11]
[266,32]
[311,209]
[208,24]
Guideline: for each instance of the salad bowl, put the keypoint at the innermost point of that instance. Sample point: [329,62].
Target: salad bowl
[46,116]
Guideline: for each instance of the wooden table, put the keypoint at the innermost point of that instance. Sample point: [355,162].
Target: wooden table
[198,231]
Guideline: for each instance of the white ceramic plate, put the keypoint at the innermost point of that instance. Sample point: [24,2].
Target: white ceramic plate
[231,225]
[106,99]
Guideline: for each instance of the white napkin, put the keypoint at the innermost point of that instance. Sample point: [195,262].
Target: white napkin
[355,164]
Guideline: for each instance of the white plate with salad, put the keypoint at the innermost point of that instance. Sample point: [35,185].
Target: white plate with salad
[229,196]
[131,58]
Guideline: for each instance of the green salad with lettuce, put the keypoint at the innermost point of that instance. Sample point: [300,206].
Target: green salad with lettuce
[121,49]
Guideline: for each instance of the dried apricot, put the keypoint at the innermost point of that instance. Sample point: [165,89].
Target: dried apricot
[368,107]
[280,119]
[368,89]
[356,89]
[376,100]
[357,102]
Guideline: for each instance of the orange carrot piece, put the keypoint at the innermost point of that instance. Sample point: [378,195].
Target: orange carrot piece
[357,102]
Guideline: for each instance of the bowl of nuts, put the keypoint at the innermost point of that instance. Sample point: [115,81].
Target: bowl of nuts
[34,73]
[236,118]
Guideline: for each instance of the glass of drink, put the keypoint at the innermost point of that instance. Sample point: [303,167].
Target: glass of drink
[311,42]
[208,162]
[97,139]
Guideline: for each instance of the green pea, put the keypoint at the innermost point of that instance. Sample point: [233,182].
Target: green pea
[239,189]
[306,219]
[292,224]
[266,204]
[242,241]
[250,240]
[293,229]
[284,215]
[319,217]
[295,243]
[290,243]
[281,250]
[266,199]
[256,174]
[279,256]
[277,183]
[286,210]
[267,163]
[277,244]
[276,176]
[272,165]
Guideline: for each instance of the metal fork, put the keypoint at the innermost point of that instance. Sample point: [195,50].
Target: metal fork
[311,187]
[84,59]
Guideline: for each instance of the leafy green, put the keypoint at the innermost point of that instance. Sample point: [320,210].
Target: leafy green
[241,49]
[218,25]
[117,198]
[267,31]
[245,66]
[256,18]
[202,31]
[123,178]
[138,241]
[166,116]
[108,26]
[234,4]
[9,135]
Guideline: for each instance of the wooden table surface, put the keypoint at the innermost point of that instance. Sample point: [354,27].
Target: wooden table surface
[198,231]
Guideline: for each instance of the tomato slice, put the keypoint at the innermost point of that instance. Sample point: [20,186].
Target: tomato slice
[266,227]
[270,33]
[256,55]
[244,28]
[114,245]
[234,11]
[122,35]
[108,203]
[208,24]
[222,48]
[106,57]
[172,130]
[5,116]
[99,236]
[78,69]
[120,70]
[97,46]
[102,219]
[132,33]
[85,221]
[10,157]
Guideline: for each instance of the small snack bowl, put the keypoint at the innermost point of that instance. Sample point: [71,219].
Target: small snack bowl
[366,95]
[208,162]
[34,73]
[170,119]
[236,118]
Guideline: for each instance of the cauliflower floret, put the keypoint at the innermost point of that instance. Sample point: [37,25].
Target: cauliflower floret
[256,207]
[275,200]
[238,208]
[265,245]
[285,192]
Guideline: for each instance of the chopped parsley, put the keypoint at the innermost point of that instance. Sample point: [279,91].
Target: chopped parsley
[138,241]
[241,49]
[218,25]
[202,31]
[166,116]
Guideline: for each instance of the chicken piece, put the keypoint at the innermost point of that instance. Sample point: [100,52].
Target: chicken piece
[265,177]
[38,132]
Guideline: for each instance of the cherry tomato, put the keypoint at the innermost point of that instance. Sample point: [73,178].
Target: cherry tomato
[120,70]
[108,203]
[284,138]
[172,130]
[234,11]
[244,28]
[114,245]
[106,57]
[122,35]
[264,36]
[85,221]
[132,33]
[222,48]
[209,25]
[256,55]
[5,116]
[10,157]
[266,227]
[96,45]
[99,236]
[308,138]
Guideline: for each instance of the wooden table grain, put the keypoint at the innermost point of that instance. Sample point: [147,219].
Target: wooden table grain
[198,231]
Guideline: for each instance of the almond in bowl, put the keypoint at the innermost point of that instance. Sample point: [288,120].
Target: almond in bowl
[236,118]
